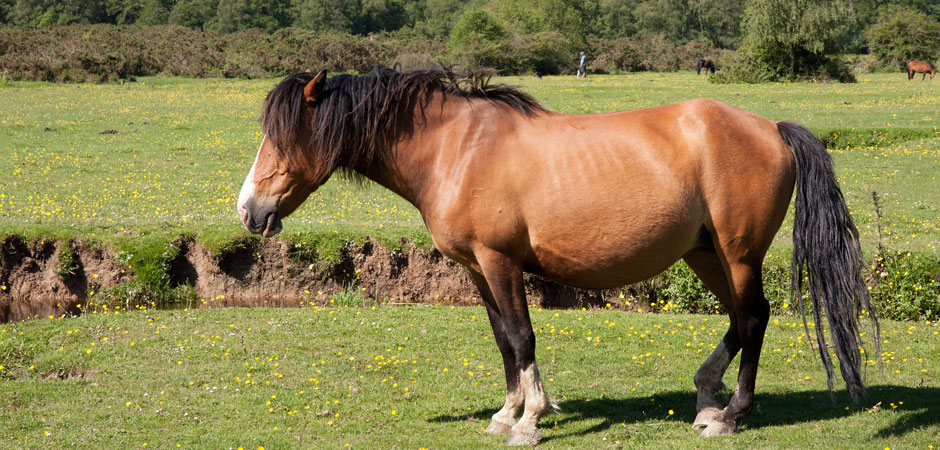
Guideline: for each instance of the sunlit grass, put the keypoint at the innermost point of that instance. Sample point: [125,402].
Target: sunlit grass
[430,376]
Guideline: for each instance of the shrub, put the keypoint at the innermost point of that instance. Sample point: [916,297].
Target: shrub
[737,68]
[651,52]
[538,52]
[905,286]
[684,292]
[743,67]
[67,265]
[792,40]
[902,34]
[107,53]
[477,41]
[613,56]
[860,64]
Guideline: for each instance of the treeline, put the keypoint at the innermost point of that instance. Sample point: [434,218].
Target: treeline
[77,53]
[715,22]
[751,40]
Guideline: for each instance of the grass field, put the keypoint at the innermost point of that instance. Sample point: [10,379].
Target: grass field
[147,161]
[175,152]
[426,376]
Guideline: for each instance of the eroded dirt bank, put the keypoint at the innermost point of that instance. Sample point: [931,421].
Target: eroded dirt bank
[36,282]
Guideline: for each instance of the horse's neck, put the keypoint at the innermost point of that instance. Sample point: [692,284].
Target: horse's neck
[421,161]
[410,168]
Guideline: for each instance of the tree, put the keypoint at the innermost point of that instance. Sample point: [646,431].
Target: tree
[476,39]
[615,19]
[379,15]
[42,13]
[794,37]
[193,13]
[322,15]
[154,12]
[5,7]
[664,17]
[565,17]
[237,15]
[717,21]
[902,34]
[438,17]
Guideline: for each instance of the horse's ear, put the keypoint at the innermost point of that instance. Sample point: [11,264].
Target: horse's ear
[313,88]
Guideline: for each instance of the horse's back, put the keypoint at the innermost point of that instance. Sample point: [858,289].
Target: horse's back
[920,66]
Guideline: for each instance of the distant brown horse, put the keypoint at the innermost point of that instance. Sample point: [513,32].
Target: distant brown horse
[920,67]
[595,201]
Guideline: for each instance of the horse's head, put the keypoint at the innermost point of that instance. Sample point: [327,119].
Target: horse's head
[276,184]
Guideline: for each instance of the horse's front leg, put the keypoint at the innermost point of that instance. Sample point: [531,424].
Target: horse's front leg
[510,317]
[504,419]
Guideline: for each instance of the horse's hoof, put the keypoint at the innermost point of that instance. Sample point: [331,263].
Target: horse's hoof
[498,428]
[718,428]
[519,437]
[706,417]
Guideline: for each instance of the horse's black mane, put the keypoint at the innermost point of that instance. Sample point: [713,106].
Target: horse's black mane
[356,119]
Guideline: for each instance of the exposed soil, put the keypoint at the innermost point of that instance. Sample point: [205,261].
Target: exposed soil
[33,288]
[270,274]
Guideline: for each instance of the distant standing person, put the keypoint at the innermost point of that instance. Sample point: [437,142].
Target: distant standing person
[582,68]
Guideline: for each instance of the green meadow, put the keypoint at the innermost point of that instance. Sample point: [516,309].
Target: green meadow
[424,376]
[138,164]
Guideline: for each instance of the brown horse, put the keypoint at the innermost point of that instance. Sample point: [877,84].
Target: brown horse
[594,201]
[923,67]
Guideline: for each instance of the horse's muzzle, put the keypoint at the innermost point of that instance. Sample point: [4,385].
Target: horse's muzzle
[265,220]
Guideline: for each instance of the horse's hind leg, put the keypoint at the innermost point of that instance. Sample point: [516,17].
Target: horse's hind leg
[708,380]
[504,419]
[751,313]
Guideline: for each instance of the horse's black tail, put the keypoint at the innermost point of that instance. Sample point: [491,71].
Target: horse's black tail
[827,255]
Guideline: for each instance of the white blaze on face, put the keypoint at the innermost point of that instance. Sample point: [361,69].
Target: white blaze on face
[248,188]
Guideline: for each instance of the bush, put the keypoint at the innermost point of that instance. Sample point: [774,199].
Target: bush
[82,53]
[651,52]
[611,56]
[657,53]
[743,67]
[860,64]
[108,53]
[905,286]
[479,41]
[902,34]
[737,68]
[787,41]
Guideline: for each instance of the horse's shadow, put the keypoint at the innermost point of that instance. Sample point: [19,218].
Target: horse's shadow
[774,409]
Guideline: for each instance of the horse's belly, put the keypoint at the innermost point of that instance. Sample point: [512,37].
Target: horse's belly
[599,260]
